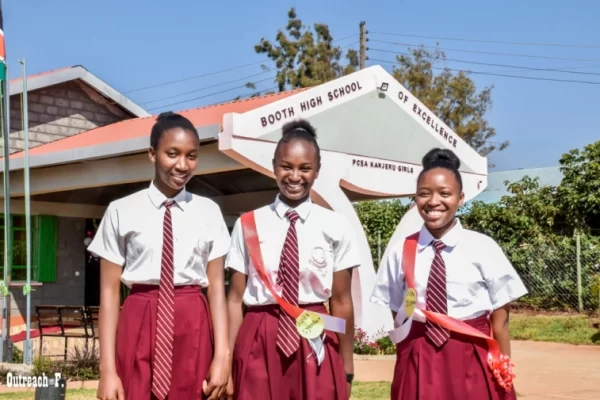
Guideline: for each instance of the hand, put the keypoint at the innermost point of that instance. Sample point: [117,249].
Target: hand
[110,387]
[229,392]
[216,382]
[349,385]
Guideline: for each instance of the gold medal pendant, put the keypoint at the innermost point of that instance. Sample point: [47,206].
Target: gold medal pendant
[410,299]
[310,325]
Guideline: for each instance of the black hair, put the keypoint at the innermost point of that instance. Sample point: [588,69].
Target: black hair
[300,130]
[169,120]
[442,158]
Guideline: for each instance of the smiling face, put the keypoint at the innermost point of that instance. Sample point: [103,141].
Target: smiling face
[175,160]
[438,197]
[296,168]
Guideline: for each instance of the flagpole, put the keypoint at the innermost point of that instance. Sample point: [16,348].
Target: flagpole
[27,353]
[5,347]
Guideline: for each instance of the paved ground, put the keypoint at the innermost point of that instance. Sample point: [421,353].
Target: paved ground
[545,371]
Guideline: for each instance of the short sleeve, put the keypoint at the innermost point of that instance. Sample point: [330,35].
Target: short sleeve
[237,257]
[222,240]
[346,252]
[389,284]
[108,242]
[503,282]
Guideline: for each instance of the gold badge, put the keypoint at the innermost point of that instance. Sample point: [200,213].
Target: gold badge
[310,325]
[409,301]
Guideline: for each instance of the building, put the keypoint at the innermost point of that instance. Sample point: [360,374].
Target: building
[372,132]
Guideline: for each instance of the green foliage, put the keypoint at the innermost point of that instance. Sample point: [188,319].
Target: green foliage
[579,191]
[305,57]
[82,364]
[379,220]
[453,98]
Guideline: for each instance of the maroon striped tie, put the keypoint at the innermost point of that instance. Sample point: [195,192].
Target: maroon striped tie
[288,338]
[163,351]
[437,300]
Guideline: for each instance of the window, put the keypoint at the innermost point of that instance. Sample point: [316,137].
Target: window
[43,248]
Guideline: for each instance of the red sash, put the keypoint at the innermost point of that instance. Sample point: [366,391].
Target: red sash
[499,363]
[249,228]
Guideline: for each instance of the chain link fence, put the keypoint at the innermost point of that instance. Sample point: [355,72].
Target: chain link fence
[561,273]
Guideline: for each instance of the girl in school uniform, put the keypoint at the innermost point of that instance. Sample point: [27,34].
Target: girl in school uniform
[307,254]
[464,285]
[165,243]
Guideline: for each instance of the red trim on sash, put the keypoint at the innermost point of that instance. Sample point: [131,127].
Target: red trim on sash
[499,363]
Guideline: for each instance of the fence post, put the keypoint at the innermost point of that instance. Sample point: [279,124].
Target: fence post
[379,247]
[579,287]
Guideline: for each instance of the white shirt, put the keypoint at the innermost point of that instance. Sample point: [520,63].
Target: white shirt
[479,277]
[326,244]
[131,235]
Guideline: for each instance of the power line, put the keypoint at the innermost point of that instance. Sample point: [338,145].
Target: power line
[204,88]
[208,95]
[500,75]
[584,46]
[221,71]
[345,37]
[487,52]
[196,76]
[498,65]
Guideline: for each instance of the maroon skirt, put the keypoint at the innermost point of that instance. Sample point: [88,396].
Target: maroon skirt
[192,350]
[457,371]
[261,371]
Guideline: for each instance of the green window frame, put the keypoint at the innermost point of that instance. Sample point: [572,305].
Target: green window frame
[44,241]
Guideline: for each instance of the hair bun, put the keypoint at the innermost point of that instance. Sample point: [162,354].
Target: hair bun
[163,116]
[437,157]
[299,125]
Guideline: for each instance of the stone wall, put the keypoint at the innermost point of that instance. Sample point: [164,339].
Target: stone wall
[60,111]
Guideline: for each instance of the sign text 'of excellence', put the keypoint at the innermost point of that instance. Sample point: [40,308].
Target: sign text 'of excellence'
[430,120]
[315,102]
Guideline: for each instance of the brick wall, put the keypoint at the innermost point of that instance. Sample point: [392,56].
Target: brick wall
[59,111]
[68,289]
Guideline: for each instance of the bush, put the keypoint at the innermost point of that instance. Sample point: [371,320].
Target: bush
[81,365]
[379,344]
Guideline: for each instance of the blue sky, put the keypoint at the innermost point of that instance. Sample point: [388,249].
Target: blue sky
[133,44]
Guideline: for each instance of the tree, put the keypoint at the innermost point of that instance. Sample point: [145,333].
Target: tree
[528,213]
[579,190]
[453,98]
[305,58]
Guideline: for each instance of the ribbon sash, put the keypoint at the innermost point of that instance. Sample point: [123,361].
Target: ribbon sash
[499,363]
[330,322]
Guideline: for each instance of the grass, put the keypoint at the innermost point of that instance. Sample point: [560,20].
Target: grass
[371,390]
[571,329]
[72,394]
[360,391]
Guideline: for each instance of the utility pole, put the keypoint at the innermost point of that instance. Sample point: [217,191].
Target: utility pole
[363,42]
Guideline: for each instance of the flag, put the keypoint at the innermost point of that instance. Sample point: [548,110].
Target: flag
[2,47]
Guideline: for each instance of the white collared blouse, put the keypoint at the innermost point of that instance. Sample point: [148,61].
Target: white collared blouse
[479,277]
[131,235]
[326,244]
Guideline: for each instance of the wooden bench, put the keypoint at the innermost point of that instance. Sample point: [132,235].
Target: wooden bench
[70,319]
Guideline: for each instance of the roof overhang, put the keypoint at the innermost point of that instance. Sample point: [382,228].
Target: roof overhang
[371,127]
[51,78]
[207,133]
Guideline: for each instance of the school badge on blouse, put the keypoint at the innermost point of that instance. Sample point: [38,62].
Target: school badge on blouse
[410,299]
[310,325]
[317,258]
